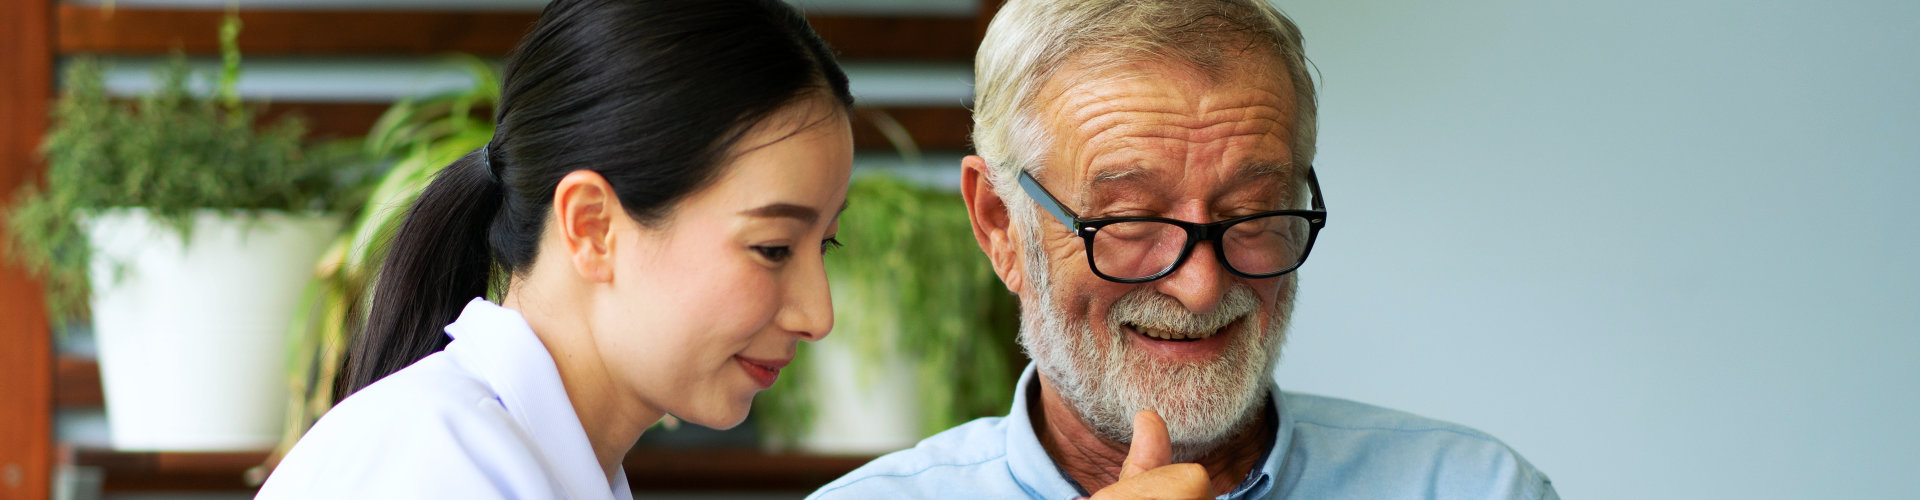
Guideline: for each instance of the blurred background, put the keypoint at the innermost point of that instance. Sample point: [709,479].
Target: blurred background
[1663,249]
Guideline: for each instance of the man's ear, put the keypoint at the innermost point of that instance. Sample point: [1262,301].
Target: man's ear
[584,211]
[991,225]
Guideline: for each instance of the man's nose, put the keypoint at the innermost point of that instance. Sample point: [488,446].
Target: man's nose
[1199,282]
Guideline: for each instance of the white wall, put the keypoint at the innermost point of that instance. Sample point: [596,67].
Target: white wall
[1666,249]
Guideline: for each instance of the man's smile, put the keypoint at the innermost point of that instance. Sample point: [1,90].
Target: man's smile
[1182,347]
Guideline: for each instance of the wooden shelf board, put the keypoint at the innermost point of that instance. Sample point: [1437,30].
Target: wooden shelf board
[76,382]
[648,469]
[126,471]
[933,128]
[741,470]
[124,30]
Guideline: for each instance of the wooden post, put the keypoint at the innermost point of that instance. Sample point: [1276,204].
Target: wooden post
[983,17]
[26,347]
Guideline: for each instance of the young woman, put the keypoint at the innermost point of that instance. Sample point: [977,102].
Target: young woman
[664,179]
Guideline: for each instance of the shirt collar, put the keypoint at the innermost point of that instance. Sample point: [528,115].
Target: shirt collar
[1042,478]
[496,345]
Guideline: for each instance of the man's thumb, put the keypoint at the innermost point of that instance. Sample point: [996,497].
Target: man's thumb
[1151,447]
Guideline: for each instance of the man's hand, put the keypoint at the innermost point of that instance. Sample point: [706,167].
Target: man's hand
[1146,473]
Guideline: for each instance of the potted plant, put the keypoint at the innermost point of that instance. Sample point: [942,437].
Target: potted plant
[923,330]
[187,232]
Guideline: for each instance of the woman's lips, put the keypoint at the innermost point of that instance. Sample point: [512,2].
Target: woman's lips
[762,371]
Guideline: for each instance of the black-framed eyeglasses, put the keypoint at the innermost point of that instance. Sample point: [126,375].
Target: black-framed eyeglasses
[1142,249]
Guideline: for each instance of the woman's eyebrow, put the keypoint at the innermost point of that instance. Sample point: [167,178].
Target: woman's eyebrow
[787,210]
[802,213]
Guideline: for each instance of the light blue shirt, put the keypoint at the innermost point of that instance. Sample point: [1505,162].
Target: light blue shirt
[1324,448]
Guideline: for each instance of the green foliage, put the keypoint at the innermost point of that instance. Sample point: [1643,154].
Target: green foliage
[173,152]
[422,136]
[911,282]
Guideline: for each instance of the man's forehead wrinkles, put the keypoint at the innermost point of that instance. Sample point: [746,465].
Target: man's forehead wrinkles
[1143,148]
[1262,99]
[1158,144]
[1127,134]
[1094,124]
[1250,112]
[1083,101]
[1125,109]
[1122,131]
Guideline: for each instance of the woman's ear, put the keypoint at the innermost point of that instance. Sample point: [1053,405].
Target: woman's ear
[585,209]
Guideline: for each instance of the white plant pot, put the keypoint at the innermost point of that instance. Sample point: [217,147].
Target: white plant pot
[861,407]
[192,334]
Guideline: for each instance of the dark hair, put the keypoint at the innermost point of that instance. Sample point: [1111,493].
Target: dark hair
[652,95]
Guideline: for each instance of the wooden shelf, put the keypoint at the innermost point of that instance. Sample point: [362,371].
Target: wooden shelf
[77,386]
[734,470]
[85,29]
[648,469]
[932,127]
[123,30]
[76,383]
[166,471]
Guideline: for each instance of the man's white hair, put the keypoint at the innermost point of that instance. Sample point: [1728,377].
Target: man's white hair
[1029,40]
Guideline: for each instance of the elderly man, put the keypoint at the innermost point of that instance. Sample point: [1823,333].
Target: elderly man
[1145,185]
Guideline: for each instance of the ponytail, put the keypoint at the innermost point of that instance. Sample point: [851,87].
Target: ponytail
[438,261]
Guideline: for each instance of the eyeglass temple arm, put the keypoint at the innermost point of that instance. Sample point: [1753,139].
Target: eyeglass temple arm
[1046,200]
[1313,185]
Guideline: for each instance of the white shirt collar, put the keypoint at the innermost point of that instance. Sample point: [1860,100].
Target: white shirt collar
[496,344]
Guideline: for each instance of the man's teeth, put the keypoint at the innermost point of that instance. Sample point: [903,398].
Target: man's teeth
[1170,334]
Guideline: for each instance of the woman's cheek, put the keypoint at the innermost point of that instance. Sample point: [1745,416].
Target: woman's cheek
[754,304]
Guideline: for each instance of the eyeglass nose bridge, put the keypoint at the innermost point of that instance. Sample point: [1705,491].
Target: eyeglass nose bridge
[1196,232]
[1214,233]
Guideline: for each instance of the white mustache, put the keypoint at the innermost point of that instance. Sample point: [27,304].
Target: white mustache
[1145,308]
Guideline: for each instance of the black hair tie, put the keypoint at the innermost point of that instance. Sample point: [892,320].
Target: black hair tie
[486,162]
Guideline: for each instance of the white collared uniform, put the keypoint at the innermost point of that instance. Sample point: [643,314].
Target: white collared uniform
[486,418]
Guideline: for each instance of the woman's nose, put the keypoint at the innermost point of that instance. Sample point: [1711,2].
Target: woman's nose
[809,304]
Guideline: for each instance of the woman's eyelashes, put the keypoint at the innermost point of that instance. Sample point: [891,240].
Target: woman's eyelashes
[780,253]
[774,253]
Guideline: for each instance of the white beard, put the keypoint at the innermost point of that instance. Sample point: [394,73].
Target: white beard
[1106,382]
